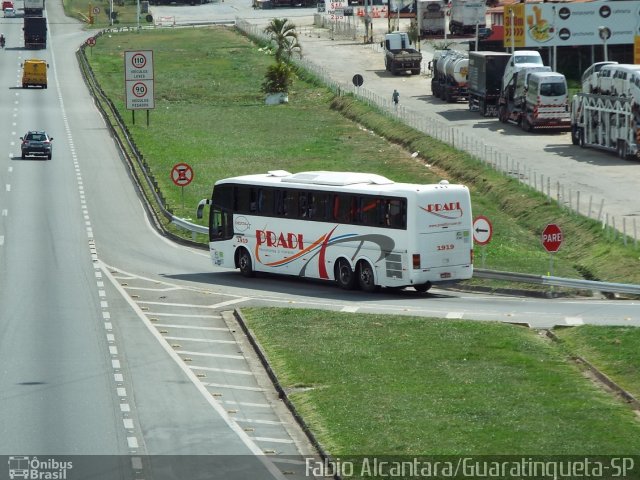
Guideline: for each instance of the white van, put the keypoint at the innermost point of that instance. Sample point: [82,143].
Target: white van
[520,59]
[615,79]
[622,79]
[546,101]
[590,76]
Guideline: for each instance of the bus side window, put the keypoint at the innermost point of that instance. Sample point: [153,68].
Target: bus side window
[291,204]
[253,205]
[266,201]
[343,208]
[397,213]
[281,203]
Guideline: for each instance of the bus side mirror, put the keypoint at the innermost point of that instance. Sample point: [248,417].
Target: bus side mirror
[201,204]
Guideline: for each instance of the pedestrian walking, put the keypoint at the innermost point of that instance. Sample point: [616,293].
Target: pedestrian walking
[396,98]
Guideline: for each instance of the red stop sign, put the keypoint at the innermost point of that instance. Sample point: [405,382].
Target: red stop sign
[552,237]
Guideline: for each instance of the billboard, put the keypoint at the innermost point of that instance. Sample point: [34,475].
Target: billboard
[571,24]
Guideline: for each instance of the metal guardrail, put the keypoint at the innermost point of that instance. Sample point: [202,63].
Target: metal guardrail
[551,281]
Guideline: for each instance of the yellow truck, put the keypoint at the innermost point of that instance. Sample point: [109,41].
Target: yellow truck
[34,72]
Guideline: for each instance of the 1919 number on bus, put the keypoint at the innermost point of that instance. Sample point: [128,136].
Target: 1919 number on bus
[448,246]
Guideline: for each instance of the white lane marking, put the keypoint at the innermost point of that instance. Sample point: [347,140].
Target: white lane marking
[263,422]
[1,240]
[122,392]
[224,415]
[574,321]
[202,340]
[132,442]
[272,440]
[180,315]
[222,370]
[233,387]
[454,315]
[191,327]
[214,355]
[247,404]
[349,309]
[128,423]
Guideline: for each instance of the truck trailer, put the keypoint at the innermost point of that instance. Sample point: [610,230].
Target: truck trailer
[33,7]
[485,80]
[466,15]
[430,14]
[35,32]
[607,123]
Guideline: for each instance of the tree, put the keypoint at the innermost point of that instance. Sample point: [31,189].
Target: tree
[284,34]
[278,78]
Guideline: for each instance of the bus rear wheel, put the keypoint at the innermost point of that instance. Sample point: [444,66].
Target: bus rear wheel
[425,287]
[244,263]
[366,278]
[345,277]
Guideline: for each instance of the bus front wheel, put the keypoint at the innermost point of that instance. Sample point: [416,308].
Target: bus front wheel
[366,278]
[345,277]
[244,263]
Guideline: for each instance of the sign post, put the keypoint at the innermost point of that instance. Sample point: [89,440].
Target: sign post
[482,233]
[551,241]
[138,76]
[181,176]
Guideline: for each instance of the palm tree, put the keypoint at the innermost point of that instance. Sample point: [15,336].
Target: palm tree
[284,34]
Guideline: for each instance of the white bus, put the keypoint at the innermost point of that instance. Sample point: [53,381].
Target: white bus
[357,229]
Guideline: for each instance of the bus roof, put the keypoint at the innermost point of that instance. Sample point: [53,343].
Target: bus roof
[351,180]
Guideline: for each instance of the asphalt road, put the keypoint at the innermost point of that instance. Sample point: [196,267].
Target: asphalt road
[114,340]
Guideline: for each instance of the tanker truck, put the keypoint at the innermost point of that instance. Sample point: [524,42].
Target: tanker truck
[449,80]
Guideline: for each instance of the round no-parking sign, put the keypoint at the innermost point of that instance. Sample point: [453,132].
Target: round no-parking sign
[182,174]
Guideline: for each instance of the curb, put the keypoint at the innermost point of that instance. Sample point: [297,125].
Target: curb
[281,392]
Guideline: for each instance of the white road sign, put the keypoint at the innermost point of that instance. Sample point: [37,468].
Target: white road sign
[138,76]
[482,230]
[140,94]
[138,65]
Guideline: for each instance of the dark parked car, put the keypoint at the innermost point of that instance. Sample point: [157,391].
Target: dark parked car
[37,142]
[484,33]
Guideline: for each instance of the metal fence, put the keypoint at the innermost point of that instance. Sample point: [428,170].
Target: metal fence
[623,229]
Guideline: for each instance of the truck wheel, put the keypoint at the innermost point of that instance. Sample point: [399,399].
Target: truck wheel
[574,136]
[483,108]
[581,137]
[526,125]
[415,71]
[502,114]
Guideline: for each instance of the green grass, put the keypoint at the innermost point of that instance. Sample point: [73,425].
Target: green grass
[210,113]
[615,350]
[397,385]
[125,12]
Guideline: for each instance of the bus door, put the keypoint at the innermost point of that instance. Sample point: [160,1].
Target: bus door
[221,225]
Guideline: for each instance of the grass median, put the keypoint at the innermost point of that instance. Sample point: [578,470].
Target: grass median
[395,385]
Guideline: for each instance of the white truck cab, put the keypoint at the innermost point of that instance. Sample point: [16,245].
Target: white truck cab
[520,59]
